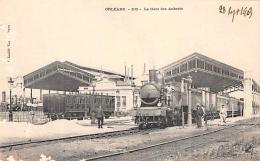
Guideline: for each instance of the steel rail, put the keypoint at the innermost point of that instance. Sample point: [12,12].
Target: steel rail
[79,137]
[168,142]
[107,135]
[203,144]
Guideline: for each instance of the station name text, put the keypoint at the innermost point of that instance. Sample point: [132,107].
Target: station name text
[143,9]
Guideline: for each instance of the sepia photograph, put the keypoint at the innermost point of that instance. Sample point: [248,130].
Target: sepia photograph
[151,80]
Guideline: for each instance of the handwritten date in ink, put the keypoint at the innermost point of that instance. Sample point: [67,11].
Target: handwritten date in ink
[243,11]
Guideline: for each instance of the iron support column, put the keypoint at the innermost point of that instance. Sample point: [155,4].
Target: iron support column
[248,109]
[41,94]
[189,106]
[31,97]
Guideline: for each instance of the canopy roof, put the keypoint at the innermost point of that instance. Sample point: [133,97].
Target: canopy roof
[205,72]
[65,76]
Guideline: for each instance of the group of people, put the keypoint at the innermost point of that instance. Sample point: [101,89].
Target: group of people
[201,115]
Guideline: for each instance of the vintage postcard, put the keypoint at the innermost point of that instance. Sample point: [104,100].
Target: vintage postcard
[147,80]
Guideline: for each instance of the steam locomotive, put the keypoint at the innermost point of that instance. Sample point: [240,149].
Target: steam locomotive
[167,105]
[153,110]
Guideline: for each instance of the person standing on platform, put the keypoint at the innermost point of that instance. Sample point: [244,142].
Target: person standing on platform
[32,115]
[199,115]
[100,116]
[223,114]
[10,115]
[203,116]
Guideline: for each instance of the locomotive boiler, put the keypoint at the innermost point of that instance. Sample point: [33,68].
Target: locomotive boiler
[153,110]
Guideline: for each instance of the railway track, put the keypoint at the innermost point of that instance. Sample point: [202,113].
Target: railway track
[29,144]
[210,140]
[73,138]
[107,156]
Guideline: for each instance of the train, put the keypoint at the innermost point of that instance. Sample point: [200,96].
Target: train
[76,106]
[166,104]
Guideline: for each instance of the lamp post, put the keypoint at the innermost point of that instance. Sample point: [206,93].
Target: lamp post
[11,82]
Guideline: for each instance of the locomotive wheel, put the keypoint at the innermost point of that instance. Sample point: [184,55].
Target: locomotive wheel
[141,126]
[162,124]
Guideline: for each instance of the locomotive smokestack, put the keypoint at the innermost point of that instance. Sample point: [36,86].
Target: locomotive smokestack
[153,75]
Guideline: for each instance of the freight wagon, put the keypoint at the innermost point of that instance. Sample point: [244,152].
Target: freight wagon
[76,106]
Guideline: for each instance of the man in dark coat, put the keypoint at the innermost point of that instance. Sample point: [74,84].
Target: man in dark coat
[199,115]
[100,116]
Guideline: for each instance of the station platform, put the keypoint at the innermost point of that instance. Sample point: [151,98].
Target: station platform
[15,132]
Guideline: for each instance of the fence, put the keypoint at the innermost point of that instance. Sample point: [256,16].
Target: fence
[25,116]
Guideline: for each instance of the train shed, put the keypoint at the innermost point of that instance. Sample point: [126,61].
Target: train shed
[205,72]
[216,77]
[66,77]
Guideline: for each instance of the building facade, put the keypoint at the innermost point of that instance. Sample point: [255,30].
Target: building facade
[125,92]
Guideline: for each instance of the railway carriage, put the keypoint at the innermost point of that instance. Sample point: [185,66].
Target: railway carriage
[76,106]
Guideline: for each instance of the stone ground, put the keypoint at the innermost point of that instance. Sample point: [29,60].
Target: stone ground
[78,150]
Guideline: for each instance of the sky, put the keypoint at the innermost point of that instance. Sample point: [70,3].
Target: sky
[83,32]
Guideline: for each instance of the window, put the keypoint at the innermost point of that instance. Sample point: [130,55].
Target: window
[225,72]
[48,71]
[208,66]
[42,73]
[192,64]
[233,75]
[82,100]
[175,70]
[216,69]
[77,100]
[168,73]
[79,75]
[85,78]
[54,68]
[200,64]
[30,79]
[124,101]
[69,100]
[36,76]
[118,102]
[183,67]
[73,74]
